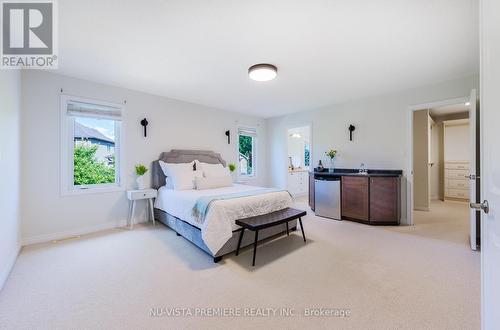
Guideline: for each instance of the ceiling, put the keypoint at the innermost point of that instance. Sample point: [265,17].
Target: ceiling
[326,51]
[449,109]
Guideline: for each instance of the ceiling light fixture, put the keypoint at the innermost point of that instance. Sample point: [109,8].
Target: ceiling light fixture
[467,104]
[262,72]
[295,135]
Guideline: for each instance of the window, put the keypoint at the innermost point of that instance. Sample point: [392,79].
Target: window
[246,151]
[91,145]
[307,154]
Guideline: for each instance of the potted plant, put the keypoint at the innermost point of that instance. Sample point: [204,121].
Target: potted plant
[232,168]
[332,153]
[140,170]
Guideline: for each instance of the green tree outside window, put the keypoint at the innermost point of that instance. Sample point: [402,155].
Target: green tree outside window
[88,170]
[246,150]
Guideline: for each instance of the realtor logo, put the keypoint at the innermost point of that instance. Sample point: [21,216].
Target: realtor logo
[28,35]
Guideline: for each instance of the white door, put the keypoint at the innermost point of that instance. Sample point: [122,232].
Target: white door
[472,165]
[421,166]
[490,163]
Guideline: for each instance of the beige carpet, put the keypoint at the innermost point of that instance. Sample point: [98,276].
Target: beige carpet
[421,277]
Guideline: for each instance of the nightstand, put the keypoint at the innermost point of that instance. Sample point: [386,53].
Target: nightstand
[143,194]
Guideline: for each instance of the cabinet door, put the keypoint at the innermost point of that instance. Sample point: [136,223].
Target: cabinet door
[300,183]
[291,183]
[304,183]
[311,190]
[384,199]
[355,198]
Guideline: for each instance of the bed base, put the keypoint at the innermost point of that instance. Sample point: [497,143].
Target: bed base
[193,234]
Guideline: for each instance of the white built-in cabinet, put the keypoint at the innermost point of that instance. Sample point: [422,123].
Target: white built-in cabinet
[298,182]
[456,183]
[456,159]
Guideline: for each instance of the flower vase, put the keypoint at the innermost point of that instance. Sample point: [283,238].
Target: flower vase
[140,182]
[330,169]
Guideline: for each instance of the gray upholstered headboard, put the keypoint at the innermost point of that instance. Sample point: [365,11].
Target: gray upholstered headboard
[182,156]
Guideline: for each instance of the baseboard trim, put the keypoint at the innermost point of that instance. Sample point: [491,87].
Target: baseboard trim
[4,275]
[404,222]
[73,232]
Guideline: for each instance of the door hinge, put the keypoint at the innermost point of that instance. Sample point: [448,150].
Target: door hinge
[481,206]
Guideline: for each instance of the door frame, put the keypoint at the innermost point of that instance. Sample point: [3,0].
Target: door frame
[311,140]
[409,168]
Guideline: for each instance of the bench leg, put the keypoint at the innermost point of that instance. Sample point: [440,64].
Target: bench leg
[255,246]
[302,228]
[287,230]
[217,259]
[239,241]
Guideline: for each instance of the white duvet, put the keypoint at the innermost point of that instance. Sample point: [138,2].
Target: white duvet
[218,225]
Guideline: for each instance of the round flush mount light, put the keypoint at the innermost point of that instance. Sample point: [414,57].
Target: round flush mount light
[467,104]
[262,72]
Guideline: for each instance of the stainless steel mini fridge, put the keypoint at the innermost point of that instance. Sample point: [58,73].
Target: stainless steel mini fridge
[327,196]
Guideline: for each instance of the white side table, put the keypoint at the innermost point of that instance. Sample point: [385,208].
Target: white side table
[143,194]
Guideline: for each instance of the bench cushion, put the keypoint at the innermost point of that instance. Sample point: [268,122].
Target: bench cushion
[270,219]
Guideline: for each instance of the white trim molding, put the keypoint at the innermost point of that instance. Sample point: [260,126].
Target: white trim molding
[254,133]
[9,264]
[76,232]
[409,168]
[66,166]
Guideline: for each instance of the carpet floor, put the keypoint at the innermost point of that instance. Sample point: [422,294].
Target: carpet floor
[419,277]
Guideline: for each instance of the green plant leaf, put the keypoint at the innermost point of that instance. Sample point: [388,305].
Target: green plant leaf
[140,169]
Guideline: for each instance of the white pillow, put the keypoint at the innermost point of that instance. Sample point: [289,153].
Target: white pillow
[216,172]
[170,168]
[213,182]
[198,173]
[167,168]
[207,166]
[185,180]
[169,183]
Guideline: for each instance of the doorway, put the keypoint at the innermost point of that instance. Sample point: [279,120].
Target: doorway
[445,162]
[299,160]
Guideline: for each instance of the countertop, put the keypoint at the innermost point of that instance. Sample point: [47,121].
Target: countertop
[355,172]
[296,170]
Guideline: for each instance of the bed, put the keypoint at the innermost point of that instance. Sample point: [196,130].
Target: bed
[217,234]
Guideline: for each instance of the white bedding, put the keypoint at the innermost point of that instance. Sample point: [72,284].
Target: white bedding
[218,225]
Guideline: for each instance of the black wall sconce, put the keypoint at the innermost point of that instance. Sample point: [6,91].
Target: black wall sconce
[145,123]
[351,129]
[228,134]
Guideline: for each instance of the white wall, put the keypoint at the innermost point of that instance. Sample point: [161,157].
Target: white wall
[172,124]
[10,110]
[381,138]
[456,143]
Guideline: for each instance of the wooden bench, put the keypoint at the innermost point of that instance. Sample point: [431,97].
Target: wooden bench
[269,220]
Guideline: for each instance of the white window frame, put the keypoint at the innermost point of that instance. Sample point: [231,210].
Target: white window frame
[67,150]
[254,148]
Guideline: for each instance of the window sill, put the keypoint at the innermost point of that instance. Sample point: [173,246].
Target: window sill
[93,190]
[246,178]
